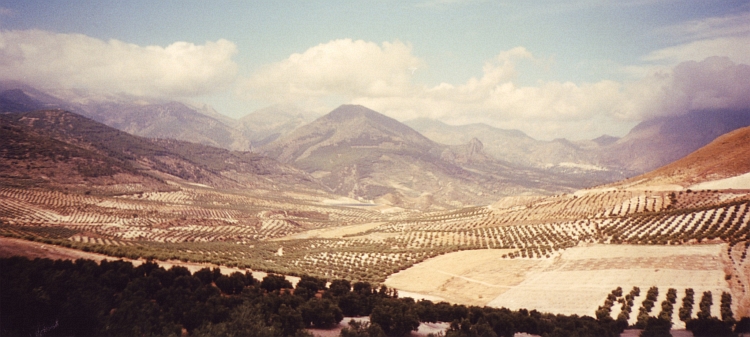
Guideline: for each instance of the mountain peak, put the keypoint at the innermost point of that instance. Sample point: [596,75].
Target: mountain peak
[349,111]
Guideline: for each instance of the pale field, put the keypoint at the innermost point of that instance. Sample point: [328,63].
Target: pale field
[471,277]
[737,182]
[575,282]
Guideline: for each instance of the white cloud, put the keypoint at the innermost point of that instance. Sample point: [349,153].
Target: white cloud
[48,59]
[702,38]
[379,77]
[713,83]
[735,48]
[342,68]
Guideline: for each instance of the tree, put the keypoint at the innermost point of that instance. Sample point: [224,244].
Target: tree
[308,286]
[743,326]
[321,313]
[339,287]
[709,327]
[395,317]
[362,329]
[275,282]
[657,327]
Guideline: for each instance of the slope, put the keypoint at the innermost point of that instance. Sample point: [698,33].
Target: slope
[364,154]
[61,136]
[658,142]
[144,117]
[726,156]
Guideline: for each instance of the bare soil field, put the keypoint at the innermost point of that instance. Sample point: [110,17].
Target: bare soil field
[575,282]
[472,277]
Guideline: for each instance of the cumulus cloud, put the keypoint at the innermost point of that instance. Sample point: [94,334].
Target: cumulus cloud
[379,77]
[713,83]
[47,59]
[343,68]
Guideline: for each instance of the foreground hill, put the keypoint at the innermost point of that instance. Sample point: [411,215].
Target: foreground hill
[564,253]
[725,157]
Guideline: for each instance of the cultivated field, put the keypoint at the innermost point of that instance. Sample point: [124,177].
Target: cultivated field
[575,282]
[562,253]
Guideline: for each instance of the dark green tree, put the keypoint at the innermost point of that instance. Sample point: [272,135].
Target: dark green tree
[395,317]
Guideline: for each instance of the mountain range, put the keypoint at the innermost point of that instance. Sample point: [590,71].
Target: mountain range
[60,148]
[353,151]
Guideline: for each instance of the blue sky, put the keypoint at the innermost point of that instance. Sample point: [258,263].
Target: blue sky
[574,69]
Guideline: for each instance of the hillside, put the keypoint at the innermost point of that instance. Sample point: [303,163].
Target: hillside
[658,142]
[649,145]
[266,125]
[56,139]
[725,157]
[513,146]
[170,120]
[360,153]
[203,204]
[143,117]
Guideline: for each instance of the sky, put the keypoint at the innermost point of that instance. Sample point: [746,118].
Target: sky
[553,69]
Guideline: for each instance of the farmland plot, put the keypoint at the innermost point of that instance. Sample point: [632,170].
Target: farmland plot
[580,279]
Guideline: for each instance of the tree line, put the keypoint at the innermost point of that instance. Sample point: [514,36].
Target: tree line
[42,297]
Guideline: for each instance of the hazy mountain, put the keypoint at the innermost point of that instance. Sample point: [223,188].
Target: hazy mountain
[649,145]
[171,120]
[657,142]
[60,144]
[363,154]
[150,118]
[15,100]
[512,146]
[265,125]
[19,97]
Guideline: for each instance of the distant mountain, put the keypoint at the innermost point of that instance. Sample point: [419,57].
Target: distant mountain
[727,156]
[15,100]
[649,145]
[512,146]
[66,145]
[19,97]
[361,153]
[143,117]
[658,142]
[265,125]
[170,120]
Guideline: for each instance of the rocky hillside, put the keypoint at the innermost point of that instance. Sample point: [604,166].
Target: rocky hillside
[56,146]
[363,154]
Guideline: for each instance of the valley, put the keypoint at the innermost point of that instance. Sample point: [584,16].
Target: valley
[389,207]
